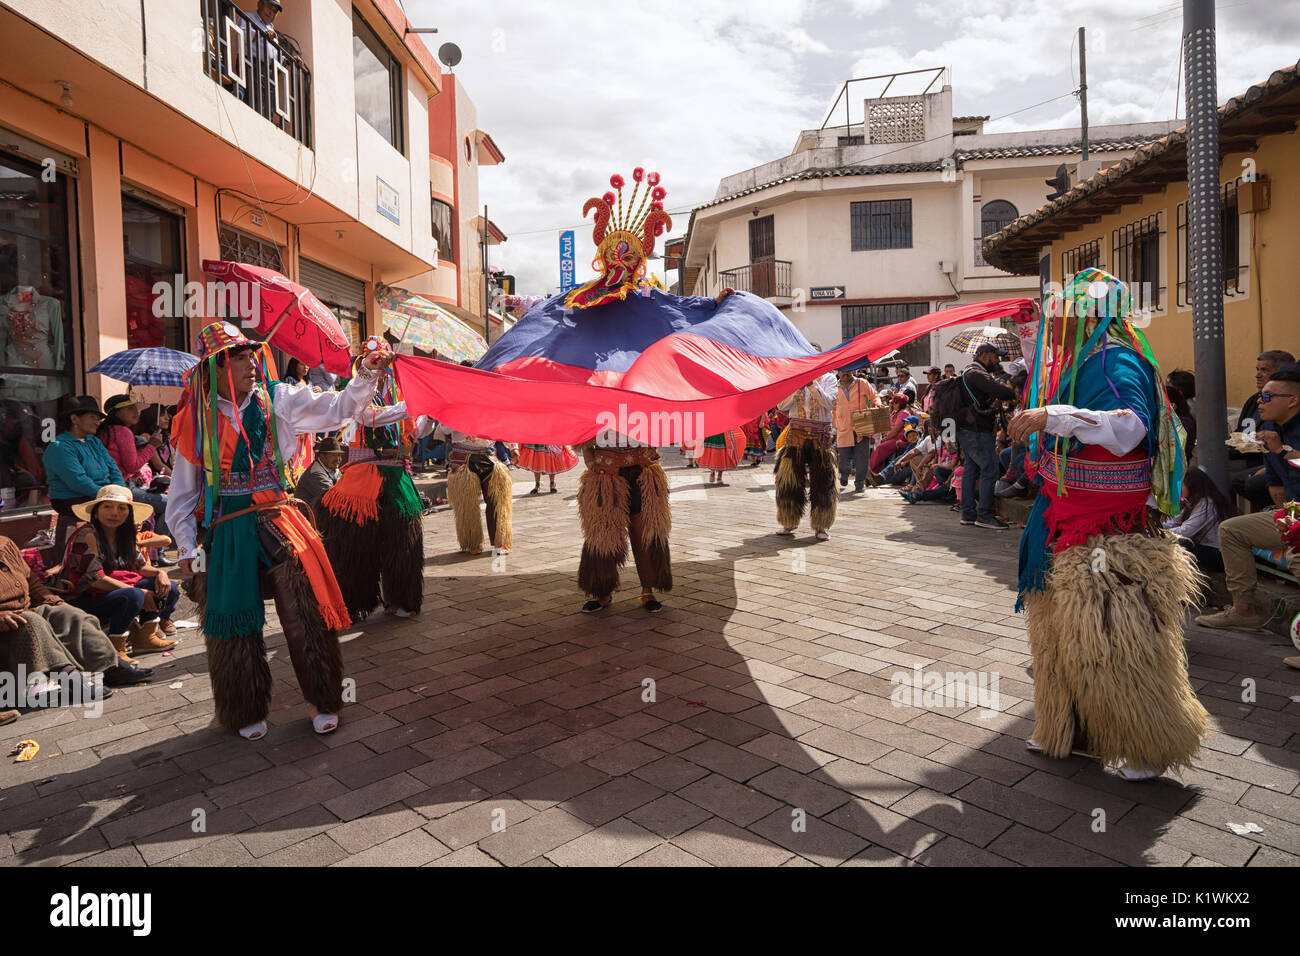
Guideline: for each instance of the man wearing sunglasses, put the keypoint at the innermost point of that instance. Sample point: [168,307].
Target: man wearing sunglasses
[1279,433]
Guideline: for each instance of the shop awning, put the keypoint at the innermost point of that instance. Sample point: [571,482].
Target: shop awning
[427,326]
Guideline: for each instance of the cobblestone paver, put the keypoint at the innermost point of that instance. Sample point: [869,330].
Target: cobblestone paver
[756,721]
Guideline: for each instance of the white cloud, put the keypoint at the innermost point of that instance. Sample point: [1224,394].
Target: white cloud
[578,90]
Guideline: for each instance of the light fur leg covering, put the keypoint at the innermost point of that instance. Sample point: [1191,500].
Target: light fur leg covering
[500,493]
[1053,704]
[603,512]
[791,495]
[1119,604]
[463,493]
[821,488]
[655,525]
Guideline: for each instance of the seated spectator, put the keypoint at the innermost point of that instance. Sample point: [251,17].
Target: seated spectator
[919,460]
[1184,412]
[1279,409]
[1248,478]
[157,419]
[944,477]
[321,476]
[110,577]
[1197,524]
[77,464]
[117,432]
[23,594]
[898,471]
[892,440]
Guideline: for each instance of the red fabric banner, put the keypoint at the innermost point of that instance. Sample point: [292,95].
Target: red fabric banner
[684,387]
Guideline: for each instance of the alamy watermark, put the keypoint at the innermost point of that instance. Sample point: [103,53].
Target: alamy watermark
[942,689]
[624,429]
[214,299]
[21,689]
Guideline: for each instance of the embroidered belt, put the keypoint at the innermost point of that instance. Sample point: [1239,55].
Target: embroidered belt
[1082,474]
[461,451]
[612,459]
[803,428]
[385,456]
[241,483]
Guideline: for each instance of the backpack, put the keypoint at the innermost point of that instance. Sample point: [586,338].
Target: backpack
[955,401]
[947,405]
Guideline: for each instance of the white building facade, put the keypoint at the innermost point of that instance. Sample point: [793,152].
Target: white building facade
[875,223]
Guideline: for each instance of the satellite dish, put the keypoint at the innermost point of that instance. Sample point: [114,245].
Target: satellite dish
[449,54]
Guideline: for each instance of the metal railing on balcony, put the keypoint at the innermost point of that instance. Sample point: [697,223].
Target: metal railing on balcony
[769,278]
[266,74]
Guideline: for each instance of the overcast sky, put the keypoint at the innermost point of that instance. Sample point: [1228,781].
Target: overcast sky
[575,91]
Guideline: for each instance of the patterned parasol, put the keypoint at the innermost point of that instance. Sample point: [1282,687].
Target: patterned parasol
[415,320]
[1004,340]
[155,366]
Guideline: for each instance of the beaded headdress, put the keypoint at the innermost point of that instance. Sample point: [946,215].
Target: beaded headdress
[623,231]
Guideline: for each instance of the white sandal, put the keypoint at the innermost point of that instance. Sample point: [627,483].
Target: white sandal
[325,723]
[253,731]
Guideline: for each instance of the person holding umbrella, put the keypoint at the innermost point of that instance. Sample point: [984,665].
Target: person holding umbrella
[234,434]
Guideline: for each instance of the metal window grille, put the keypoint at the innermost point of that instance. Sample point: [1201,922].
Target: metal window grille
[897,121]
[239,246]
[856,319]
[1135,258]
[1231,231]
[881,224]
[994,217]
[1080,257]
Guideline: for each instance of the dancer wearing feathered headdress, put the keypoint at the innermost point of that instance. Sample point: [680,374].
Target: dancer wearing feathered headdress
[1104,588]
[371,519]
[235,431]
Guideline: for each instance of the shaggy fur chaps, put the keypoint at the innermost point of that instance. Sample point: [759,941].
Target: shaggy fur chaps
[1106,636]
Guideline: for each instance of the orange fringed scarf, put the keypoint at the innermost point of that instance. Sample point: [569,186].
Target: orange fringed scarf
[355,497]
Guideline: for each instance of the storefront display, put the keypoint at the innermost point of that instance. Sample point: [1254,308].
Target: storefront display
[35,322]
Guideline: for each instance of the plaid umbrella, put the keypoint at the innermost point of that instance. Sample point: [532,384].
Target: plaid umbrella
[417,321]
[1004,340]
[156,366]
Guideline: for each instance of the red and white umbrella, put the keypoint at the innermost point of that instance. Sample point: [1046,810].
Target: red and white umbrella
[285,314]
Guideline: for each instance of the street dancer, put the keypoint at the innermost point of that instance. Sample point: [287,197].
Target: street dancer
[234,432]
[550,460]
[473,469]
[1103,587]
[371,519]
[805,463]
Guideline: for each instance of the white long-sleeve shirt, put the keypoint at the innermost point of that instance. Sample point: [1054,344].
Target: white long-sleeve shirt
[815,401]
[1119,432]
[1202,520]
[298,410]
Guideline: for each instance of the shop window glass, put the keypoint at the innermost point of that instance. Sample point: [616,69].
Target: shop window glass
[151,240]
[36,365]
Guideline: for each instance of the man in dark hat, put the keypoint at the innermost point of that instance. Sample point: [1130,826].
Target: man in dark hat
[323,473]
[77,464]
[976,428]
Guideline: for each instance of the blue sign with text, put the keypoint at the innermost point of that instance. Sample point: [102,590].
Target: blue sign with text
[566,261]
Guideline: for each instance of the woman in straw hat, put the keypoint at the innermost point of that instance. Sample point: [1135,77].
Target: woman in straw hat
[112,578]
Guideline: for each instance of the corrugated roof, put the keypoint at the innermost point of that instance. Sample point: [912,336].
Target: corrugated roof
[1054,149]
[833,172]
[1016,248]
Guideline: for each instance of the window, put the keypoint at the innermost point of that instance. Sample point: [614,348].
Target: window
[239,246]
[1082,257]
[378,79]
[1230,225]
[442,234]
[881,224]
[36,312]
[996,216]
[1135,257]
[762,239]
[856,319]
[151,241]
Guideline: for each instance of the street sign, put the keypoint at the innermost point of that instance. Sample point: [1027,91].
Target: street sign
[826,292]
[566,261]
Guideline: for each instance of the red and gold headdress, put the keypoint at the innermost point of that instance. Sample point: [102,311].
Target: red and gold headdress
[624,234]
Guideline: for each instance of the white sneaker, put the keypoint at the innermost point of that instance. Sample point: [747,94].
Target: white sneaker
[823,536]
[1138,773]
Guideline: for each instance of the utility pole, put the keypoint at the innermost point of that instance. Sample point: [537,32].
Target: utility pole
[1205,237]
[1083,93]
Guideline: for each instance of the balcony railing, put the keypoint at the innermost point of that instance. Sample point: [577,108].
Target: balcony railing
[267,75]
[769,278]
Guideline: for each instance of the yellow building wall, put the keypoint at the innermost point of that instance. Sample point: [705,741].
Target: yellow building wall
[1264,315]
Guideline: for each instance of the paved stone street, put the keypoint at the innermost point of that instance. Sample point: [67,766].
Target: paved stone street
[749,723]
